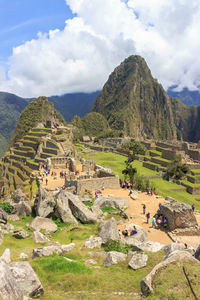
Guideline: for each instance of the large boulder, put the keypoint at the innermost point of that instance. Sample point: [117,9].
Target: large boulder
[44,203]
[197,253]
[178,214]
[20,233]
[3,216]
[93,242]
[115,202]
[9,287]
[43,223]
[5,256]
[52,248]
[113,257]
[19,196]
[79,210]
[138,261]
[63,210]
[26,278]
[22,208]
[109,231]
[39,238]
[150,246]
[177,246]
[147,282]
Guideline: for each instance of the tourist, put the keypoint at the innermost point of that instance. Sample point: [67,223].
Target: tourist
[148,217]
[119,232]
[46,181]
[148,190]
[153,222]
[134,231]
[151,192]
[193,207]
[144,208]
[103,187]
[130,193]
[125,233]
[165,223]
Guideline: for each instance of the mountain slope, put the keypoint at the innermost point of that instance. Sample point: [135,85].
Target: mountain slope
[134,101]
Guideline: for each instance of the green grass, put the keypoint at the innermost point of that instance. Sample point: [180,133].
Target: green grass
[109,209]
[195,185]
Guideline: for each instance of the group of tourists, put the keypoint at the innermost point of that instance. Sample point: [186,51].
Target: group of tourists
[127,233]
[127,185]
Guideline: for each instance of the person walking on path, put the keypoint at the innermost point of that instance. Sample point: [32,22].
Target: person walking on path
[151,192]
[193,207]
[144,208]
[153,222]
[148,217]
[46,181]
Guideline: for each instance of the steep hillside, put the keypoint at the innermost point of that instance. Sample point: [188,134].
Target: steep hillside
[38,111]
[12,106]
[134,101]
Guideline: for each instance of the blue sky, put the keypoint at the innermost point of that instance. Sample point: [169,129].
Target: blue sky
[21,20]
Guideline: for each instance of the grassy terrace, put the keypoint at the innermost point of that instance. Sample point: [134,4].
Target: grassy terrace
[163,187]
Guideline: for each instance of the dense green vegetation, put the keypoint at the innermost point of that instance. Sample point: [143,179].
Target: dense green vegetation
[38,111]
[133,101]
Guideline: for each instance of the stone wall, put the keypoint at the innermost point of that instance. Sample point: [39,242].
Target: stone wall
[194,154]
[95,183]
[88,165]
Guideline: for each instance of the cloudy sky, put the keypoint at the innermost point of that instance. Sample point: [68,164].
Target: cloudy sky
[52,47]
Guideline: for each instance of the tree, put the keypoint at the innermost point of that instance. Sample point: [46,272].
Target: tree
[177,169]
[133,148]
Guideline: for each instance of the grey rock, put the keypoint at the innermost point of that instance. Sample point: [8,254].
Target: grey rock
[98,253]
[26,278]
[13,217]
[23,256]
[91,261]
[20,234]
[97,211]
[44,203]
[52,248]
[5,256]
[109,231]
[147,282]
[113,257]
[138,261]
[79,210]
[9,227]
[115,202]
[40,223]
[3,216]
[63,210]
[39,238]
[178,214]
[93,242]
[19,196]
[22,208]
[151,246]
[197,253]
[9,288]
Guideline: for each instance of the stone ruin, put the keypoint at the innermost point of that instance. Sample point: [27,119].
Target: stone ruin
[180,217]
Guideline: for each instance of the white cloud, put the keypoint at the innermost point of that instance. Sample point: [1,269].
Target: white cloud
[104,33]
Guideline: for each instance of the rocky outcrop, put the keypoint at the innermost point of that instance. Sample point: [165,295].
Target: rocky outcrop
[6,256]
[176,246]
[9,288]
[19,196]
[22,208]
[52,248]
[93,242]
[150,246]
[39,238]
[43,223]
[63,210]
[113,257]
[3,216]
[20,234]
[178,214]
[197,253]
[79,210]
[147,282]
[26,278]
[115,202]
[44,203]
[109,231]
[138,261]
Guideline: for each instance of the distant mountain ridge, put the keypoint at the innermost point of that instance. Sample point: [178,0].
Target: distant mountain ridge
[186,96]
[133,101]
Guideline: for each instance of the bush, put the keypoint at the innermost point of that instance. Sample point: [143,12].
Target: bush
[142,184]
[117,246]
[7,207]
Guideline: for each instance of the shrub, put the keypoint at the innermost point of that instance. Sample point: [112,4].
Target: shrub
[7,207]
[117,246]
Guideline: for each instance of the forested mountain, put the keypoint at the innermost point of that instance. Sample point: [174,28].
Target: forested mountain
[12,106]
[133,101]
